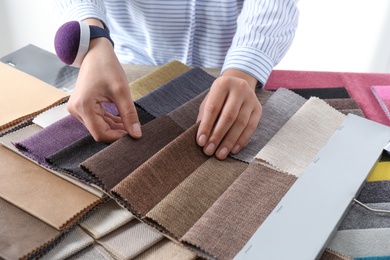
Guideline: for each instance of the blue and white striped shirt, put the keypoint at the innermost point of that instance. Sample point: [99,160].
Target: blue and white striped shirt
[251,35]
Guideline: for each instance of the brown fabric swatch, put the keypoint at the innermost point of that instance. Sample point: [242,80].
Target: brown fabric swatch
[181,208]
[159,175]
[21,233]
[40,193]
[330,254]
[342,103]
[117,161]
[229,223]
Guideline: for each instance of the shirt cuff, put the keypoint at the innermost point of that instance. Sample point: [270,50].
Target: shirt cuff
[81,10]
[251,61]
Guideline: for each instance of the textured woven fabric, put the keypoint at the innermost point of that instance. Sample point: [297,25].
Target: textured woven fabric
[156,78]
[322,93]
[342,103]
[114,163]
[51,115]
[333,255]
[40,193]
[312,125]
[159,175]
[375,192]
[24,96]
[105,219]
[73,242]
[277,110]
[362,242]
[21,233]
[93,252]
[181,208]
[177,92]
[380,172]
[361,218]
[166,249]
[130,240]
[229,223]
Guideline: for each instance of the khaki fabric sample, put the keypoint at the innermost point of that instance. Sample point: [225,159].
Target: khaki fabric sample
[166,249]
[106,219]
[154,79]
[21,234]
[24,96]
[181,208]
[296,144]
[93,252]
[73,242]
[159,175]
[229,223]
[40,193]
[130,240]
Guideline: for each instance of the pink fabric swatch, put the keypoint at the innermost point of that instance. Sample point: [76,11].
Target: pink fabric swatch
[382,94]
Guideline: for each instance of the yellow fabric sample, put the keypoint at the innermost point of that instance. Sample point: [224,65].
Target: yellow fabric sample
[380,172]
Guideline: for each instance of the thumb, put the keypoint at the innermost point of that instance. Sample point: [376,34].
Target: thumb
[129,115]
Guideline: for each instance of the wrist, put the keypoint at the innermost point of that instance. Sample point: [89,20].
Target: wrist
[251,80]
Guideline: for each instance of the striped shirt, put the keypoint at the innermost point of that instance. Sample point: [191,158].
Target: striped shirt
[251,35]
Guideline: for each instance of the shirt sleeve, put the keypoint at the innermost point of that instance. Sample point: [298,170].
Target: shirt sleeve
[81,9]
[265,30]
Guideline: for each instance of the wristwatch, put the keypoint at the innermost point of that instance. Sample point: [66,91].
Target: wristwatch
[72,40]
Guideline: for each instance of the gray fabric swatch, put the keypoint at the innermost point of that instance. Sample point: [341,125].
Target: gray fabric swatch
[375,192]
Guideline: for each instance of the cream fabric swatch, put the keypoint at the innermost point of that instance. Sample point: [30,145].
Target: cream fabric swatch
[130,240]
[93,252]
[22,96]
[166,249]
[30,187]
[296,144]
[106,219]
[73,242]
[51,115]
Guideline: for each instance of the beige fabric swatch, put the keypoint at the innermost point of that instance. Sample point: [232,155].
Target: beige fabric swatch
[105,219]
[181,208]
[51,115]
[295,145]
[93,252]
[37,191]
[156,78]
[166,249]
[130,240]
[22,96]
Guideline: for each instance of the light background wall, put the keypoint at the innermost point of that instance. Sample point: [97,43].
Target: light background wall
[333,35]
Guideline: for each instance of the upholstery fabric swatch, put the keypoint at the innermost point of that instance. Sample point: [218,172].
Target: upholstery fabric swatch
[21,233]
[375,192]
[277,110]
[181,208]
[130,240]
[342,103]
[31,188]
[73,242]
[166,249]
[312,125]
[106,219]
[382,95]
[322,93]
[93,252]
[333,255]
[362,242]
[114,163]
[156,78]
[175,93]
[380,172]
[361,218]
[229,223]
[159,175]
[51,115]
[24,96]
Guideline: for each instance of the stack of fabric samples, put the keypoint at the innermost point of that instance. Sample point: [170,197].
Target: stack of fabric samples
[160,197]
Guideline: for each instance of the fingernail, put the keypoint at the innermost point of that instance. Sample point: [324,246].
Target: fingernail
[137,130]
[202,140]
[210,149]
[223,152]
[236,149]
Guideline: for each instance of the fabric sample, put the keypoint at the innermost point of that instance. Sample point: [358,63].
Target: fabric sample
[229,223]
[31,188]
[312,125]
[181,208]
[277,110]
[322,93]
[93,252]
[51,116]
[130,240]
[175,93]
[73,242]
[333,255]
[114,163]
[156,78]
[380,172]
[166,249]
[362,242]
[342,103]
[361,218]
[106,219]
[375,192]
[159,175]
[382,95]
[21,233]
[24,96]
